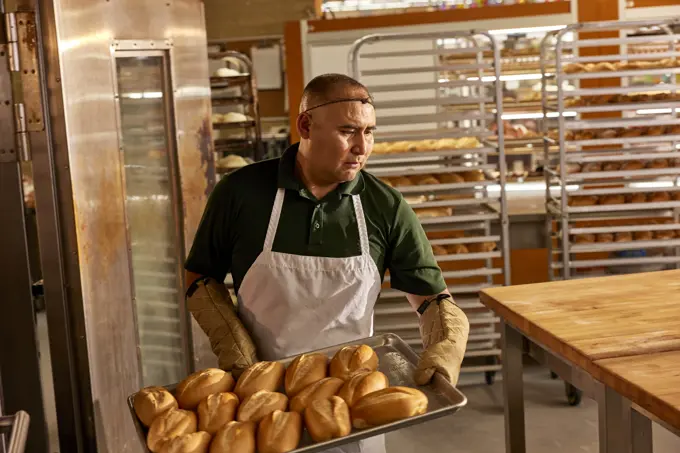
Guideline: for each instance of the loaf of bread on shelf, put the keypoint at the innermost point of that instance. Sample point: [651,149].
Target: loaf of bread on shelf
[633,165]
[150,402]
[397,147]
[328,419]
[655,130]
[588,200]
[612,199]
[584,238]
[388,405]
[400,181]
[623,236]
[380,148]
[323,389]
[202,383]
[611,166]
[260,404]
[188,443]
[658,163]
[605,66]
[424,213]
[675,196]
[607,133]
[260,376]
[217,410]
[172,423]
[420,180]
[631,132]
[387,181]
[473,176]
[360,384]
[664,234]
[658,197]
[591,167]
[450,178]
[481,247]
[604,237]
[235,437]
[673,130]
[574,68]
[636,198]
[279,432]
[438,250]
[643,236]
[426,145]
[305,370]
[456,249]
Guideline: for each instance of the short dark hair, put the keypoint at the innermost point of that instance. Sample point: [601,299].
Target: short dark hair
[321,88]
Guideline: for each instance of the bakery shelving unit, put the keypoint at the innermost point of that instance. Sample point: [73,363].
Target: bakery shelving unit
[234,91]
[13,432]
[612,197]
[444,165]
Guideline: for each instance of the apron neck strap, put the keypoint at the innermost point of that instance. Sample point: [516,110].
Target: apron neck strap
[361,223]
[274,219]
[276,215]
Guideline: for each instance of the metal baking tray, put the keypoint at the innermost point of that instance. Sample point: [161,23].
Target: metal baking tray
[397,361]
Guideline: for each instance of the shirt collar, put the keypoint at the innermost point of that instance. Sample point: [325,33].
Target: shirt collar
[289,180]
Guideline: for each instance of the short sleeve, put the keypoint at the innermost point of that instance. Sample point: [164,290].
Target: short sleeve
[413,268]
[212,248]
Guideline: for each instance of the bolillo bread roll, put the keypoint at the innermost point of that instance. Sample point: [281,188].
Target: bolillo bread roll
[188,443]
[200,384]
[320,390]
[216,410]
[305,370]
[387,406]
[361,384]
[279,432]
[260,376]
[173,423]
[235,437]
[328,419]
[353,358]
[260,404]
[150,402]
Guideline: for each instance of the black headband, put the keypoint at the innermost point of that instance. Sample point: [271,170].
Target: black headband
[362,100]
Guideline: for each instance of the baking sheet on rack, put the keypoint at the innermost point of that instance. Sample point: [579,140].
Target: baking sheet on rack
[397,361]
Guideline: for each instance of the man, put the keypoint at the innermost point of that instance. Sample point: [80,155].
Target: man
[308,238]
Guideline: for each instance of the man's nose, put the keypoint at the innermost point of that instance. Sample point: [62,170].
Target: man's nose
[361,144]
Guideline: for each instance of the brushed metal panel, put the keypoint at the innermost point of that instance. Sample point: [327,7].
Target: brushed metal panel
[85,33]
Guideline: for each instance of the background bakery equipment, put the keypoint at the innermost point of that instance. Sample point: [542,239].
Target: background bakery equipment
[415,88]
[13,432]
[236,111]
[612,186]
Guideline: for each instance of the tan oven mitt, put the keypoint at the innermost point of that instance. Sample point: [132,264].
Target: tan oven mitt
[444,329]
[210,303]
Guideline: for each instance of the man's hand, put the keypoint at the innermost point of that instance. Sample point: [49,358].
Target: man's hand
[444,329]
[210,303]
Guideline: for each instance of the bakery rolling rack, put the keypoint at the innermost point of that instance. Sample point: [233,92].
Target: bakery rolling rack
[612,194]
[238,132]
[446,167]
[13,432]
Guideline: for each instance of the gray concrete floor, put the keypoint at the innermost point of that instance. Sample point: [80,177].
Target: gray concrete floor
[552,425]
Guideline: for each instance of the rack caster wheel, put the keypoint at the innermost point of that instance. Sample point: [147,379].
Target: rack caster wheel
[553,375]
[574,395]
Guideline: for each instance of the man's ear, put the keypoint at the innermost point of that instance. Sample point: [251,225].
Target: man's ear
[304,124]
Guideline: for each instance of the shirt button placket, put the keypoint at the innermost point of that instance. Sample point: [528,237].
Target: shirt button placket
[317,222]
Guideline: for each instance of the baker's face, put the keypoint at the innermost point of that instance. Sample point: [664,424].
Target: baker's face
[340,138]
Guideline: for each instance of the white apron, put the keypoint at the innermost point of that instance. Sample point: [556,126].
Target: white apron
[292,304]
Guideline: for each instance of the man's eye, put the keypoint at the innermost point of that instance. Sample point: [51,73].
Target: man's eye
[369,132]
[346,132]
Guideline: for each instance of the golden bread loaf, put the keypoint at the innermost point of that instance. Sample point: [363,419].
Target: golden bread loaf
[188,443]
[387,406]
[235,437]
[360,384]
[353,358]
[150,402]
[323,389]
[200,384]
[260,376]
[279,432]
[260,404]
[172,423]
[328,419]
[305,370]
[217,410]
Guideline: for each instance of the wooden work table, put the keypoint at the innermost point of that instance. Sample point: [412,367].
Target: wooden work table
[617,336]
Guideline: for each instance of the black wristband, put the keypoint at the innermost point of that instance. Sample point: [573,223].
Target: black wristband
[438,299]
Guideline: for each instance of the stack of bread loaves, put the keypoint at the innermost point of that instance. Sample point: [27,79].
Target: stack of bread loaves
[266,409]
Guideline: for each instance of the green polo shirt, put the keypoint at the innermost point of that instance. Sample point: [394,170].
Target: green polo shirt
[233,228]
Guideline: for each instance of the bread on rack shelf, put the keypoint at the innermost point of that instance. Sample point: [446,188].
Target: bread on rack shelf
[664,234]
[473,176]
[658,197]
[675,196]
[643,236]
[424,213]
[420,180]
[630,65]
[450,178]
[441,144]
[636,198]
[633,165]
[591,167]
[439,250]
[400,181]
[604,237]
[658,163]
[386,180]
[611,166]
[623,236]
[587,200]
[481,247]
[456,249]
[611,199]
[584,238]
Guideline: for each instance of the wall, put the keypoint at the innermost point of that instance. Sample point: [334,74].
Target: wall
[254,18]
